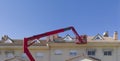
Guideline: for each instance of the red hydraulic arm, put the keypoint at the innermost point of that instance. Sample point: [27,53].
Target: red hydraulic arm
[81,39]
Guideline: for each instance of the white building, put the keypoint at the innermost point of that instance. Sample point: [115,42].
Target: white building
[98,48]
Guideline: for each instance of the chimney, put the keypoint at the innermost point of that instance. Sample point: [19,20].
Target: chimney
[105,34]
[55,36]
[52,37]
[115,35]
[49,38]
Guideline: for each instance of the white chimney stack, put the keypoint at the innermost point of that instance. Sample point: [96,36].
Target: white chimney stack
[115,35]
[52,37]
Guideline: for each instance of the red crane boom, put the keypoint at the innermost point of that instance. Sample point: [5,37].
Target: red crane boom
[81,39]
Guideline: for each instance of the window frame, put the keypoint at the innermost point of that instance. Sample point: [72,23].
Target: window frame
[58,52]
[73,53]
[9,54]
[39,55]
[91,52]
[107,53]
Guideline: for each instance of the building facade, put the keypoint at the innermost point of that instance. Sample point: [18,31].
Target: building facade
[98,48]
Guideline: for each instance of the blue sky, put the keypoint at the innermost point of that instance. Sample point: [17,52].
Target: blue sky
[24,18]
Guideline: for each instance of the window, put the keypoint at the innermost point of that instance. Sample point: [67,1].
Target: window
[68,38]
[91,52]
[39,55]
[9,54]
[98,37]
[107,53]
[73,53]
[24,56]
[58,52]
